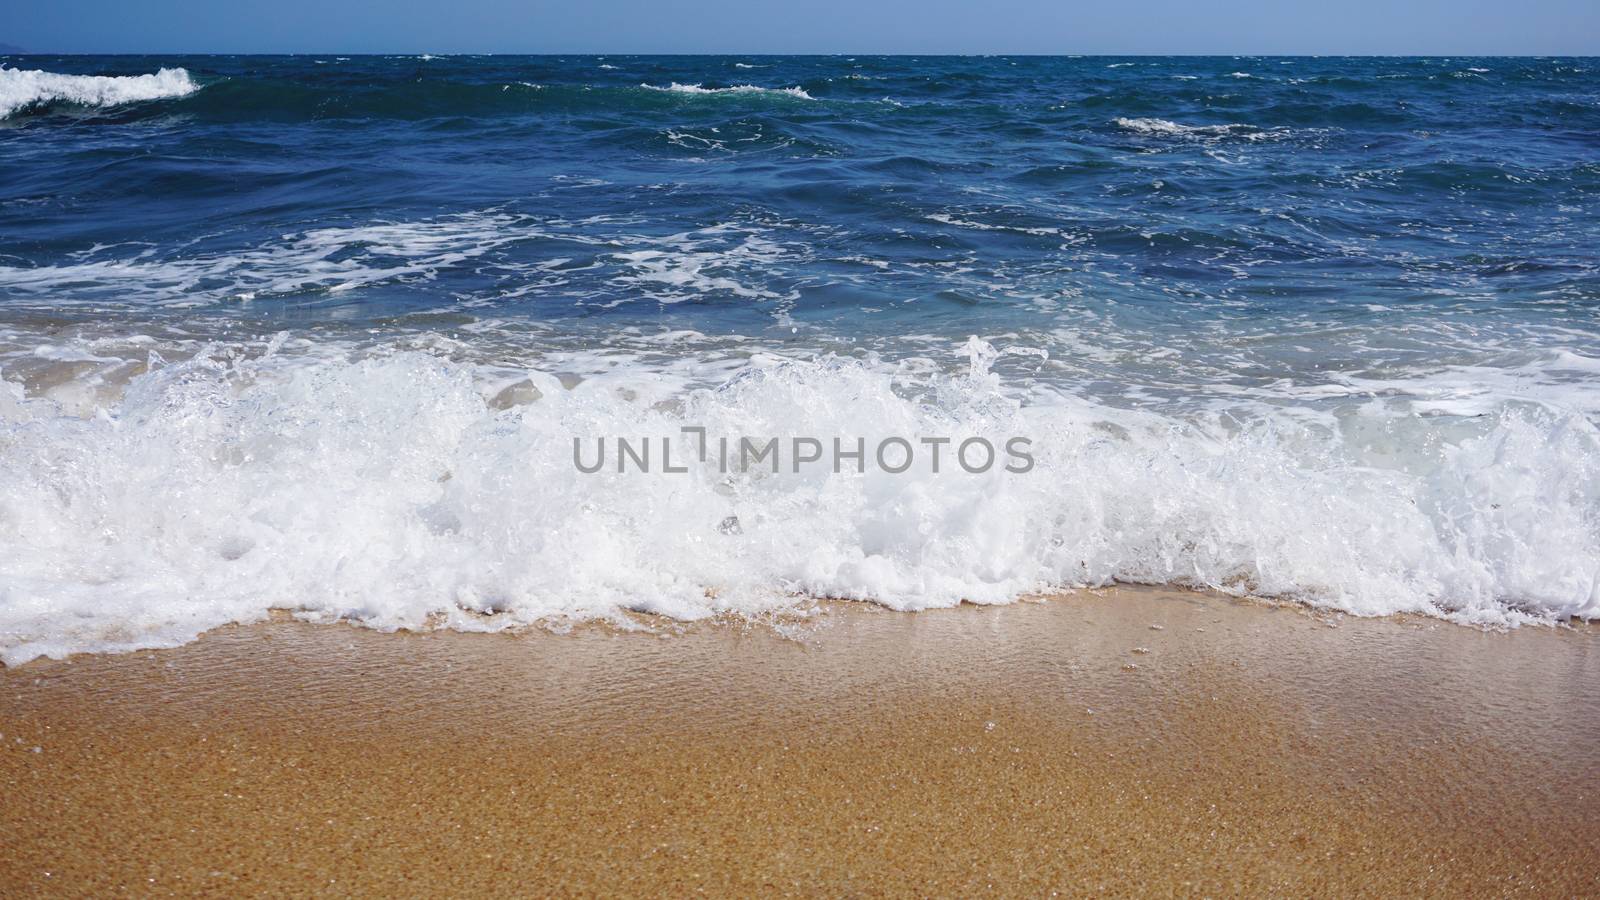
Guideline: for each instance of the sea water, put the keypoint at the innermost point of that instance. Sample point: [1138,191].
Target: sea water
[319,334]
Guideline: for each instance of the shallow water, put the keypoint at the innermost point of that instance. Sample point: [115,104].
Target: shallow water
[318,332]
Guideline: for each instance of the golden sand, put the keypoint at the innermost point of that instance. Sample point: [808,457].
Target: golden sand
[1123,742]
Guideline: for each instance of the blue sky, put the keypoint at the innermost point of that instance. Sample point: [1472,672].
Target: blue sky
[825,26]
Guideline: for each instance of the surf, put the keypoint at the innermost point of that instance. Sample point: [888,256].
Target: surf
[33,90]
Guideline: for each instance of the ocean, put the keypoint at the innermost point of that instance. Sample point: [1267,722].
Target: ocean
[328,334]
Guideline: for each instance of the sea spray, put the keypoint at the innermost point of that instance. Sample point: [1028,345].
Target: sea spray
[388,491]
[24,89]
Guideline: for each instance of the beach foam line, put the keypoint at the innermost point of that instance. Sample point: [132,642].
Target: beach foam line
[397,491]
[24,89]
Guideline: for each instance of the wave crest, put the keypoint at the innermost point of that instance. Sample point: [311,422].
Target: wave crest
[677,88]
[26,89]
[1165,127]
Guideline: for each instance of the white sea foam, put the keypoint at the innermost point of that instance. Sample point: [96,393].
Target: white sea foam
[1168,128]
[317,259]
[404,489]
[22,89]
[688,265]
[677,88]
[1037,231]
[729,258]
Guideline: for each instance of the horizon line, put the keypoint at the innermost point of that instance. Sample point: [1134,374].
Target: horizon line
[18,51]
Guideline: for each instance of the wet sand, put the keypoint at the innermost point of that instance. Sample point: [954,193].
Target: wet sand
[1127,742]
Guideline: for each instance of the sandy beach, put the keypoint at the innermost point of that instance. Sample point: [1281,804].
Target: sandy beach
[1125,741]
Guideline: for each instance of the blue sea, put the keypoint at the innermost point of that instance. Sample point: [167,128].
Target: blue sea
[320,333]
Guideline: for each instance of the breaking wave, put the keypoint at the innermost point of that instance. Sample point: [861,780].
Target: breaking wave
[1165,128]
[677,88]
[23,90]
[405,490]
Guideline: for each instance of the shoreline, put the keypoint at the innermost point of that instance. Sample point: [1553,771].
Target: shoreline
[1141,738]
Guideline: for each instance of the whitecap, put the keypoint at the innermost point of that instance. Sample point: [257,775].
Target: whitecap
[1168,128]
[677,88]
[22,89]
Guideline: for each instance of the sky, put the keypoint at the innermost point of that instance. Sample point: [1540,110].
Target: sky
[1424,27]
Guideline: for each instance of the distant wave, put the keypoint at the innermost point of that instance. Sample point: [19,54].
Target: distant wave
[25,89]
[286,100]
[1175,129]
[677,88]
